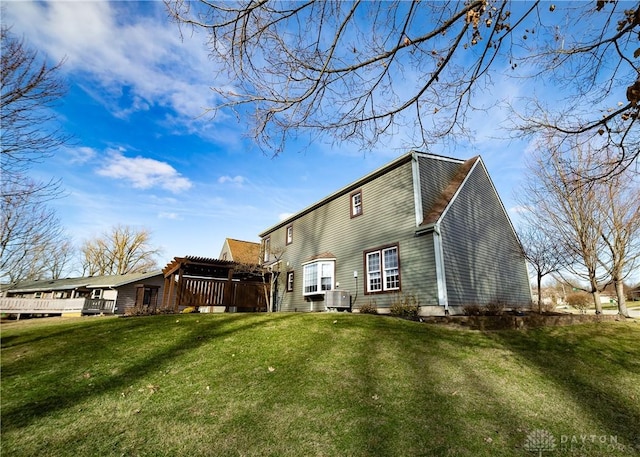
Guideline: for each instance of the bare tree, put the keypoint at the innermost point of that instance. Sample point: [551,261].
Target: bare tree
[541,251]
[31,236]
[596,72]
[620,203]
[359,70]
[569,206]
[272,269]
[32,242]
[119,251]
[29,90]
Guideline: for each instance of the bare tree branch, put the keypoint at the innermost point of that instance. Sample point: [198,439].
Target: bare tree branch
[358,71]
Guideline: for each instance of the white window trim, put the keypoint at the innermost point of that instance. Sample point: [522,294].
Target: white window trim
[266,255]
[356,209]
[289,234]
[290,281]
[319,263]
[383,270]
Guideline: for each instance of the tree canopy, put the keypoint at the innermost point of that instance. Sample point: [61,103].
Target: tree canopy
[118,251]
[360,70]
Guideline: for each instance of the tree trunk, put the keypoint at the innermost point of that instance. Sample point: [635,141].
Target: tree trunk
[596,301]
[539,292]
[622,304]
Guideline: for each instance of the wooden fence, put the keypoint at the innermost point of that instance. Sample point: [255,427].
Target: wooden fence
[207,293]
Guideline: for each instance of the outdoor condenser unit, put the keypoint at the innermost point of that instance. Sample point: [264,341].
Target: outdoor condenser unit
[337,299]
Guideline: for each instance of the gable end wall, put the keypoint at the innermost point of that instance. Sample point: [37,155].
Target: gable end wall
[482,258]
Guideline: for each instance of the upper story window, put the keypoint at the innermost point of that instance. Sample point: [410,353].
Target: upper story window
[356,203]
[266,246]
[318,276]
[383,269]
[289,234]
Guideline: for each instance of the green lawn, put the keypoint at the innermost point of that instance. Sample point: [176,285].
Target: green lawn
[316,385]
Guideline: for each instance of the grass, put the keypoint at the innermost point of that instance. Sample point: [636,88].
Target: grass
[314,384]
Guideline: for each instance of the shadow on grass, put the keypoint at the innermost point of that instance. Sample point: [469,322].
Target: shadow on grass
[340,384]
[86,344]
[571,364]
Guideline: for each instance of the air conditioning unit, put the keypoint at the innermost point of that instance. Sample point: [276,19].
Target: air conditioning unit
[337,299]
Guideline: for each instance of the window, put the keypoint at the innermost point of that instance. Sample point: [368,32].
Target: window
[290,234]
[96,294]
[383,269]
[356,203]
[290,281]
[318,277]
[266,245]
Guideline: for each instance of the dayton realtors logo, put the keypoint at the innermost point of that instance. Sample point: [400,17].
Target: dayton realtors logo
[540,441]
[543,441]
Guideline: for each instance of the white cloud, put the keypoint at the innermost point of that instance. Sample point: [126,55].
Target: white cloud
[144,173]
[82,154]
[131,60]
[239,180]
[171,216]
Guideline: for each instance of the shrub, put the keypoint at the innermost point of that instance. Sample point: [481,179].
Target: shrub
[405,306]
[472,310]
[494,309]
[548,307]
[579,301]
[369,308]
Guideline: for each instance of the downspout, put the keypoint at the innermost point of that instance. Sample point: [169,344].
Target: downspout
[440,274]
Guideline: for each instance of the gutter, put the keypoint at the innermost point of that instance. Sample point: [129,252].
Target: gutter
[441,280]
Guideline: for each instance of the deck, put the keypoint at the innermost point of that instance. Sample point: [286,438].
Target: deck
[56,306]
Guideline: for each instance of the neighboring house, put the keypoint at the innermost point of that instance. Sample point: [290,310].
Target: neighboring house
[86,295]
[423,227]
[240,251]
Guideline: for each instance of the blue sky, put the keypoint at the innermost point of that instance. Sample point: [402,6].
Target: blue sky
[145,154]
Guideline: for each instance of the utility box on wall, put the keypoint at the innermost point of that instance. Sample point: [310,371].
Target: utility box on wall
[337,299]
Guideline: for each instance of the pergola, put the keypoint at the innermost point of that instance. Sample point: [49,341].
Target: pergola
[204,282]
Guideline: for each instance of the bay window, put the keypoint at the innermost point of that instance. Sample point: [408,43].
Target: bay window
[318,276]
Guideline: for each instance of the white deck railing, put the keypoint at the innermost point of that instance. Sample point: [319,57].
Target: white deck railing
[56,306]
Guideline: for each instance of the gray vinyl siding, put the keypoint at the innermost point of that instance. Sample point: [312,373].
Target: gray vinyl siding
[388,218]
[482,258]
[127,293]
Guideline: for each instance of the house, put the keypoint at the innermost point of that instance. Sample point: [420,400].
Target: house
[114,294]
[423,227]
[240,251]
